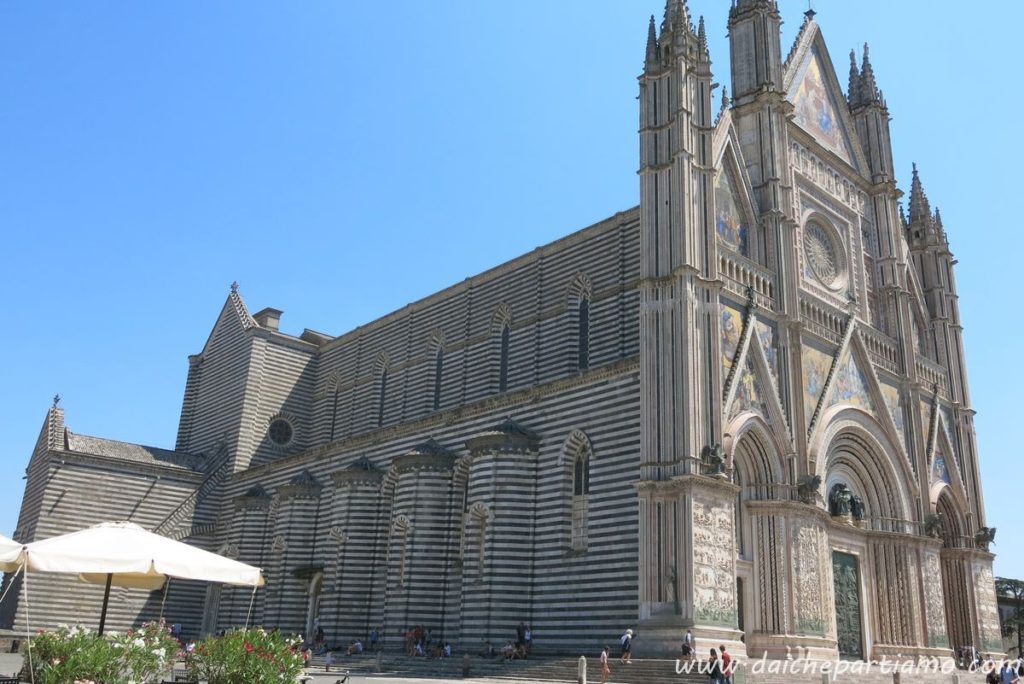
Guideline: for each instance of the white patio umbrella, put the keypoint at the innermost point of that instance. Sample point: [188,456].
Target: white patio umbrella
[10,554]
[126,555]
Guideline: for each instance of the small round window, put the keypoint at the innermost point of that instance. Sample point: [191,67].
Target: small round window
[280,431]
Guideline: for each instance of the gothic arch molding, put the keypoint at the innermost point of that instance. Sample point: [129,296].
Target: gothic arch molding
[755,454]
[853,448]
[953,513]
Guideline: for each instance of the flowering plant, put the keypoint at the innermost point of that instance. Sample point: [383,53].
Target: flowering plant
[77,654]
[246,656]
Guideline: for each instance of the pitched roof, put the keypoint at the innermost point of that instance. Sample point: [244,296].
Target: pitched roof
[135,453]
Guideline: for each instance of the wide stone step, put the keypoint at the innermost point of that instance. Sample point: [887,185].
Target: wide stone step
[563,669]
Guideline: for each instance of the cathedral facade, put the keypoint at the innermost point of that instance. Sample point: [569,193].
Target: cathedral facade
[740,408]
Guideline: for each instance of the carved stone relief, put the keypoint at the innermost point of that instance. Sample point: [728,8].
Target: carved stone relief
[809,544]
[988,613]
[935,610]
[714,560]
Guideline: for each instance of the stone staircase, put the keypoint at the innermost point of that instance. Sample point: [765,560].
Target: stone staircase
[563,669]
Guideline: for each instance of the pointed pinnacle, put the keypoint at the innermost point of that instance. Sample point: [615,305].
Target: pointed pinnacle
[702,35]
[725,98]
[853,93]
[920,211]
[684,12]
[867,75]
[652,41]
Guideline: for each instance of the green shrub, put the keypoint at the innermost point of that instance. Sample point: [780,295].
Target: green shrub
[246,656]
[76,654]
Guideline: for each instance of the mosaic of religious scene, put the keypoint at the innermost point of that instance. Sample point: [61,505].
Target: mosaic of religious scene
[851,386]
[947,424]
[749,395]
[815,371]
[732,328]
[893,403]
[766,334]
[939,469]
[729,221]
[926,420]
[816,111]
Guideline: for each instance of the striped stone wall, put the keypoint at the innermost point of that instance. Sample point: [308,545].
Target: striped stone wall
[79,491]
[398,537]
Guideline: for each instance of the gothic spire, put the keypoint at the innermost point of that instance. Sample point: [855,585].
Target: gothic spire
[677,15]
[920,210]
[652,43]
[869,89]
[853,92]
[937,219]
[702,36]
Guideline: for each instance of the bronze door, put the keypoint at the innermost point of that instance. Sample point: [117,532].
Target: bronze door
[848,610]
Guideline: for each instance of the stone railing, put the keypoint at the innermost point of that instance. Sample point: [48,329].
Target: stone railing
[883,349]
[930,373]
[739,275]
[823,320]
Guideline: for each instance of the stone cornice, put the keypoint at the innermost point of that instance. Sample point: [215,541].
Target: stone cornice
[788,506]
[355,476]
[419,461]
[687,484]
[507,438]
[160,471]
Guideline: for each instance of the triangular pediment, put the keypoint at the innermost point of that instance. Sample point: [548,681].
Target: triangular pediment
[750,393]
[234,319]
[946,465]
[733,205]
[819,104]
[753,390]
[851,385]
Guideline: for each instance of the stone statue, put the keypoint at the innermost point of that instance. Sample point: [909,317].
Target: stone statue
[857,507]
[985,536]
[807,488]
[933,525]
[714,460]
[840,501]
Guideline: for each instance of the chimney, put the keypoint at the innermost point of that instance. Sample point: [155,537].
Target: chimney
[269,318]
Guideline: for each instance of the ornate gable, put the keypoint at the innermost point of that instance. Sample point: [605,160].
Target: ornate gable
[819,104]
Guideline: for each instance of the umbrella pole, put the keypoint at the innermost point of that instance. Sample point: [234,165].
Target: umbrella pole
[28,625]
[167,585]
[252,599]
[106,600]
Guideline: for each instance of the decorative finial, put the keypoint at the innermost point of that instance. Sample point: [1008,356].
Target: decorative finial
[810,11]
[56,400]
[652,42]
[867,76]
[702,35]
[920,211]
[234,287]
[853,93]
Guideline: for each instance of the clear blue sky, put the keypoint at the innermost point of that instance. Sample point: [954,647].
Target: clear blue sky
[340,159]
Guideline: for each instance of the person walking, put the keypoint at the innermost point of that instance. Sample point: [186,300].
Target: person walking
[627,647]
[726,666]
[689,643]
[714,668]
[605,671]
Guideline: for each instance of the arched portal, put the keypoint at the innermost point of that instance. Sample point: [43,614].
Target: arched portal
[956,578]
